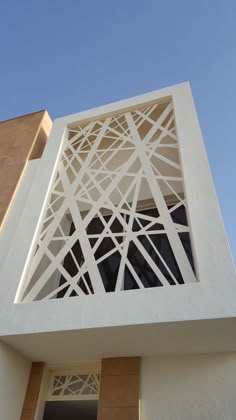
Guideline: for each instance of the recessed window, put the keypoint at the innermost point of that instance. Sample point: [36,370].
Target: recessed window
[73,394]
[116,213]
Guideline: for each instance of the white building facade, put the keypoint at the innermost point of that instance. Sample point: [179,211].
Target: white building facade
[116,276]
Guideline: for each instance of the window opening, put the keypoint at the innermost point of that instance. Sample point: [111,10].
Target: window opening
[116,213]
[72,396]
[156,244]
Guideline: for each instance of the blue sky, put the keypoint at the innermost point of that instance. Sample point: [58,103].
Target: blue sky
[67,56]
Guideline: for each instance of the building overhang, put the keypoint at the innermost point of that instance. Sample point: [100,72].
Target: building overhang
[169,338]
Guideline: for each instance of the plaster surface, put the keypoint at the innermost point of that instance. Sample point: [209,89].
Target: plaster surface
[14,374]
[188,387]
[79,346]
[17,205]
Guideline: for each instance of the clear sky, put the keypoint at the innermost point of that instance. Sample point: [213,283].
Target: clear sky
[71,55]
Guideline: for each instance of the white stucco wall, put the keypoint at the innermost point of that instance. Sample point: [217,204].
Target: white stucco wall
[9,226]
[212,297]
[14,374]
[188,388]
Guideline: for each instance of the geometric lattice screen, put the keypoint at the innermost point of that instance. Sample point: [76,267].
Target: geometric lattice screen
[116,214]
[74,387]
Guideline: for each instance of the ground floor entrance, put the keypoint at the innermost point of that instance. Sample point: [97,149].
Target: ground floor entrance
[70,410]
[100,390]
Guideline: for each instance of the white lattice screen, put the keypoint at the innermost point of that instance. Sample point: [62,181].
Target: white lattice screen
[116,217]
[74,386]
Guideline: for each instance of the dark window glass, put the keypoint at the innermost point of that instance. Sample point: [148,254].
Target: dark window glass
[154,244]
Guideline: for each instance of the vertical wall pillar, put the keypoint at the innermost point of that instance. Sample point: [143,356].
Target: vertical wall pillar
[32,392]
[119,389]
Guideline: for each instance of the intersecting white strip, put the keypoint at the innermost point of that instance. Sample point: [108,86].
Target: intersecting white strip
[112,173]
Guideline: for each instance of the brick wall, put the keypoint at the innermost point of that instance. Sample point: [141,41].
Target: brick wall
[21,139]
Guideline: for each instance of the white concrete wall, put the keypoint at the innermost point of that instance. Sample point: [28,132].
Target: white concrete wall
[212,297]
[14,374]
[189,388]
[9,226]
